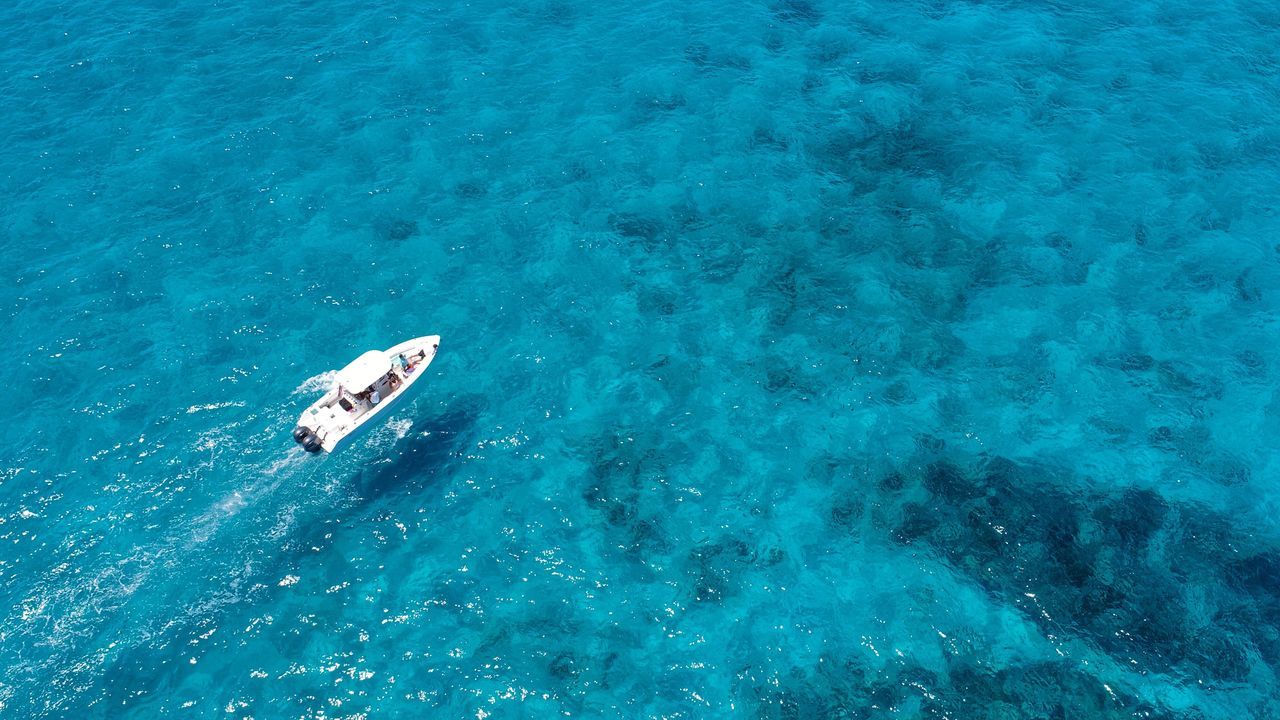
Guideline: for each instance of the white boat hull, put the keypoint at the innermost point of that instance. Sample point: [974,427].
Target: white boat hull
[344,412]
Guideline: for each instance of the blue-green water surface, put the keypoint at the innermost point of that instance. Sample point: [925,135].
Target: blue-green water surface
[800,359]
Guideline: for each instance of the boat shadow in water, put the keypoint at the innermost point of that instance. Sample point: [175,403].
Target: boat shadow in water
[430,451]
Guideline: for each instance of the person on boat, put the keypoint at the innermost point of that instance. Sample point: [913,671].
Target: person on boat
[405,365]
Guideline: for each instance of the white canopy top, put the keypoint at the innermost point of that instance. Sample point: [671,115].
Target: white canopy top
[364,371]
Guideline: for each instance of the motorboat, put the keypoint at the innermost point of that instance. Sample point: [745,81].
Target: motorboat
[363,390]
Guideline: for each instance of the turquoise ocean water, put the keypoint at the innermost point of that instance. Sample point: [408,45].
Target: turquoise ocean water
[800,359]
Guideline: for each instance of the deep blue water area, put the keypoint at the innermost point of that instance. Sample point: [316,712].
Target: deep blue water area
[800,359]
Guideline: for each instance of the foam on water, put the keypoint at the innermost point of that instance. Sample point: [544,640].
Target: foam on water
[316,384]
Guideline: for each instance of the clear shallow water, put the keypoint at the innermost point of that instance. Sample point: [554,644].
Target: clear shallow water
[799,360]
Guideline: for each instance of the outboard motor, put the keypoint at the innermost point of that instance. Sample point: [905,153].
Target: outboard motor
[312,443]
[307,439]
